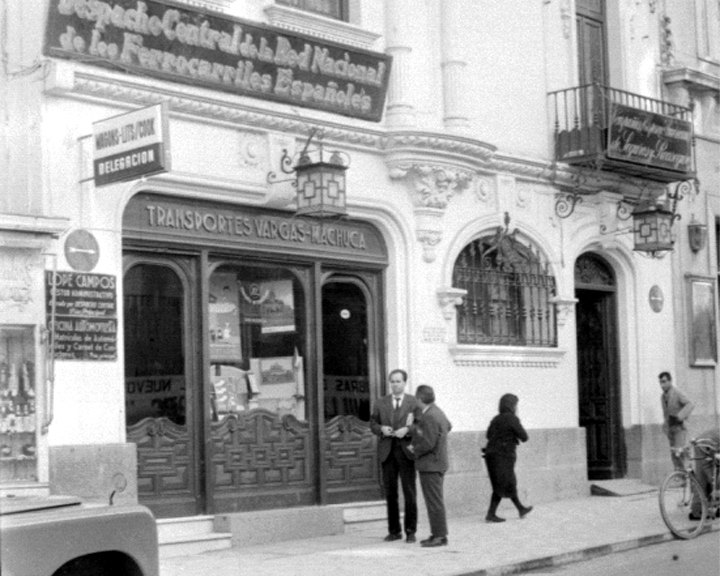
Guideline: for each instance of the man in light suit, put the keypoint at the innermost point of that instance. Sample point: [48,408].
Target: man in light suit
[390,420]
[676,408]
[429,445]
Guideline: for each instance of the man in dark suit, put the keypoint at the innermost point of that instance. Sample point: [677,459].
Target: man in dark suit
[429,444]
[390,420]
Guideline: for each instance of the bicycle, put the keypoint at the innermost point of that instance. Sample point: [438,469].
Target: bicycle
[681,494]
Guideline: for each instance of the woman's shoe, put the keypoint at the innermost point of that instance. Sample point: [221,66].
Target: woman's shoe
[524,511]
[494,518]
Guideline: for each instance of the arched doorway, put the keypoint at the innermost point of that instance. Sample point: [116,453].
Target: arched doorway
[598,367]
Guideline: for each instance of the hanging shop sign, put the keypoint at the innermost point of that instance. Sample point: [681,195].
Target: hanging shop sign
[215,51]
[649,139]
[131,145]
[155,218]
[85,315]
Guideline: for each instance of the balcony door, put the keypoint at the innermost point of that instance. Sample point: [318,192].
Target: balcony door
[592,54]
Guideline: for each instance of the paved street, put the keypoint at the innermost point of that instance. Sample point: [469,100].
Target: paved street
[697,557]
[554,534]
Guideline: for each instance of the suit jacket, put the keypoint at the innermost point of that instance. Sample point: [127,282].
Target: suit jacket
[384,414]
[676,408]
[429,441]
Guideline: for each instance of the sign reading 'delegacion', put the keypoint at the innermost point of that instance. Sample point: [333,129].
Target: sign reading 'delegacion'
[131,145]
[85,325]
[215,51]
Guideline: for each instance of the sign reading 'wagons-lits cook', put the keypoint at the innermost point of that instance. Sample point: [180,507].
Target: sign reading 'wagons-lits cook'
[214,51]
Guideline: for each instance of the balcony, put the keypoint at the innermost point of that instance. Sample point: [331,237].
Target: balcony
[617,131]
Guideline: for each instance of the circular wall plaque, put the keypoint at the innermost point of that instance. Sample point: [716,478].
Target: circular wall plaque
[81,250]
[656,298]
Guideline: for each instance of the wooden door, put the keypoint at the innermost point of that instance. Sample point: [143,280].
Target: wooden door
[163,391]
[351,376]
[597,357]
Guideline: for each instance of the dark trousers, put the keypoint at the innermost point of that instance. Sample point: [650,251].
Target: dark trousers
[400,466]
[432,488]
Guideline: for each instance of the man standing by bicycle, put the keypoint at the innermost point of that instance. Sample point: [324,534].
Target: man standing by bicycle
[676,408]
[706,446]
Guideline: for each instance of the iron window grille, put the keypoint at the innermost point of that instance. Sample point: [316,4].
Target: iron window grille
[509,294]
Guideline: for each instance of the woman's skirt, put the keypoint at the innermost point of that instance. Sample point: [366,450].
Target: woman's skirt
[501,469]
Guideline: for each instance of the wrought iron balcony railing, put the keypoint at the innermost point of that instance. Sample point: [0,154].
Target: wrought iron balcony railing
[623,132]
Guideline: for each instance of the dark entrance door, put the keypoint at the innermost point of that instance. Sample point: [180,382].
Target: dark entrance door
[163,395]
[598,379]
[352,376]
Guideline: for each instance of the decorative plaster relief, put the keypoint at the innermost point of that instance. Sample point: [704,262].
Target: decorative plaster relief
[564,309]
[429,239]
[433,186]
[484,191]
[253,151]
[566,15]
[449,298]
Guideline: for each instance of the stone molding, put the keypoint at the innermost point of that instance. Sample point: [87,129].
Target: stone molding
[506,356]
[306,22]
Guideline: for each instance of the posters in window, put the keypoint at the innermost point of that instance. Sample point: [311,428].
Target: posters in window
[271,304]
[224,317]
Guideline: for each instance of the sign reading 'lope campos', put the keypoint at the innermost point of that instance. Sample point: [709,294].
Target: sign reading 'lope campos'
[649,139]
[131,145]
[214,51]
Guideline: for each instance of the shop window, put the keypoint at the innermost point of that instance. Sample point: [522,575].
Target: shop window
[257,341]
[336,9]
[154,353]
[18,417]
[509,294]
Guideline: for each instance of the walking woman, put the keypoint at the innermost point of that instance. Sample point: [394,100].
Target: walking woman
[504,434]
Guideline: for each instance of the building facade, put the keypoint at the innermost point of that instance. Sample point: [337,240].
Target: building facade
[179,312]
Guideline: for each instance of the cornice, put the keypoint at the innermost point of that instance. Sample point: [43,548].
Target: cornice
[696,80]
[461,158]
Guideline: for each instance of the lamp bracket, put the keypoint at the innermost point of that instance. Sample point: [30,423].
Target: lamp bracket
[565,204]
[624,212]
[286,166]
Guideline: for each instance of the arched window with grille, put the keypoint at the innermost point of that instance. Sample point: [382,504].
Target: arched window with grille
[510,292]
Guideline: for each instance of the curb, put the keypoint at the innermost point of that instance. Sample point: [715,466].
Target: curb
[578,555]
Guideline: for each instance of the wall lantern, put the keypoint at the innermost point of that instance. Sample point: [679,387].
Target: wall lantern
[319,179]
[697,235]
[652,229]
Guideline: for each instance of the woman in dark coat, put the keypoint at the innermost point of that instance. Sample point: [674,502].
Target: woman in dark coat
[504,434]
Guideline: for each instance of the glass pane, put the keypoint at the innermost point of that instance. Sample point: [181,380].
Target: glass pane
[18,418]
[154,354]
[345,351]
[257,341]
[329,8]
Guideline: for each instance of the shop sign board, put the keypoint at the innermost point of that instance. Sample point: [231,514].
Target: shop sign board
[193,46]
[650,139]
[131,145]
[161,218]
[85,306]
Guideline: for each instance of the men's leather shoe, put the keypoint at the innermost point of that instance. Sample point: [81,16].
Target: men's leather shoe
[393,537]
[525,511]
[440,541]
[426,540]
[411,538]
[494,519]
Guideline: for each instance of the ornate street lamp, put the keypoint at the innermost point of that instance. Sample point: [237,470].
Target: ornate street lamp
[652,229]
[319,179]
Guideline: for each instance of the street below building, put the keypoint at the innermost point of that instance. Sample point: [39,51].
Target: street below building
[697,557]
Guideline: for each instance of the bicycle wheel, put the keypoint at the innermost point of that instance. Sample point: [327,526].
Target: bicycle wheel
[677,494]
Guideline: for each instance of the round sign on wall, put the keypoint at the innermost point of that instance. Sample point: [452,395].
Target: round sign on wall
[82,250]
[656,298]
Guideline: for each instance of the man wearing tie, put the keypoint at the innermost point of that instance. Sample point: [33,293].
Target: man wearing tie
[390,420]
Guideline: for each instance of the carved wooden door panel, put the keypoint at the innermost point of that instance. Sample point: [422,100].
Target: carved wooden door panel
[598,381]
[351,377]
[161,393]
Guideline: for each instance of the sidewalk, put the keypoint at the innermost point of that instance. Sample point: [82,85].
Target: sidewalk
[552,534]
